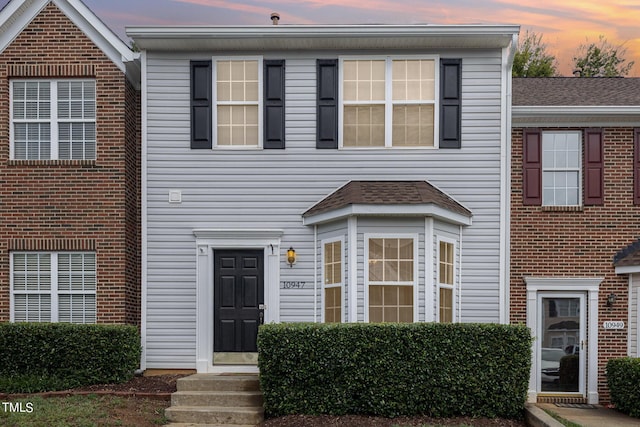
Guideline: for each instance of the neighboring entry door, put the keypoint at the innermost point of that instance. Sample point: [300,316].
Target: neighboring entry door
[238,305]
[561,349]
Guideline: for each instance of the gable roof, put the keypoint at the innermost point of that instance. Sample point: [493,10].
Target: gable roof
[404,198]
[17,14]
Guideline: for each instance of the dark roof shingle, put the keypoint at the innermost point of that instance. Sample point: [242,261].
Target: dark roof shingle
[576,91]
[386,193]
[629,256]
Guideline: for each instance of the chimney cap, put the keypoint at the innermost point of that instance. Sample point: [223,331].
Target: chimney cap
[275,17]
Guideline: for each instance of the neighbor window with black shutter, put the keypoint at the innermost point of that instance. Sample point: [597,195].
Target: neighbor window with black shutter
[563,167]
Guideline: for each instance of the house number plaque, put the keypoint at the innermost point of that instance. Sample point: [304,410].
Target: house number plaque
[292,284]
[619,324]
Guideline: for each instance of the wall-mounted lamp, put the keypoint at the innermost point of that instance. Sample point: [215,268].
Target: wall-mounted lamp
[291,256]
[611,299]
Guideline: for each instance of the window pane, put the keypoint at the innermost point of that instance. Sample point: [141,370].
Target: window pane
[413,80]
[446,263]
[390,303]
[31,272]
[333,309]
[413,125]
[32,308]
[363,126]
[77,308]
[364,80]
[237,125]
[237,80]
[446,305]
[332,263]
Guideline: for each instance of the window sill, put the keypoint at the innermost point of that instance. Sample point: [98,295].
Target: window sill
[51,163]
[562,208]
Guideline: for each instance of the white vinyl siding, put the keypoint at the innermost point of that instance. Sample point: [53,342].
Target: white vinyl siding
[53,287]
[235,189]
[53,119]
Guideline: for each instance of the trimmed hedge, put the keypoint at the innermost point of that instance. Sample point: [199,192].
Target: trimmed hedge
[623,379]
[55,356]
[390,370]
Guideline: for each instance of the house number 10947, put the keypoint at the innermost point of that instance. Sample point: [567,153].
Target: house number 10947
[293,285]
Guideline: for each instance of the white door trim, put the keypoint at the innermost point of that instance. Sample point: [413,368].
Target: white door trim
[590,285]
[207,241]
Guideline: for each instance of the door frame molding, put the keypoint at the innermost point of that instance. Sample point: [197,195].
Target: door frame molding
[207,241]
[588,285]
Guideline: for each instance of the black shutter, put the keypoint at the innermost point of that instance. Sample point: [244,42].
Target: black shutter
[201,114]
[532,167]
[327,106]
[593,167]
[450,103]
[274,103]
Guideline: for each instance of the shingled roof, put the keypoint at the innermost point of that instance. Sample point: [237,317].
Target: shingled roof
[576,91]
[629,256]
[387,193]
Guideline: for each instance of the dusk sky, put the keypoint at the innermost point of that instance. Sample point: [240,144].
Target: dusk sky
[564,24]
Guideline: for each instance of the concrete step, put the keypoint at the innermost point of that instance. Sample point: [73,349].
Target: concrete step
[217,398]
[209,382]
[214,415]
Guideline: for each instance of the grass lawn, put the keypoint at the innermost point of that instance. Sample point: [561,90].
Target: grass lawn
[83,411]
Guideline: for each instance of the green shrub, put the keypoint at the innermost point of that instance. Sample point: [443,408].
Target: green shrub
[56,356]
[390,370]
[623,379]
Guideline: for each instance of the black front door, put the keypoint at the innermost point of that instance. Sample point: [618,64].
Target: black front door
[238,299]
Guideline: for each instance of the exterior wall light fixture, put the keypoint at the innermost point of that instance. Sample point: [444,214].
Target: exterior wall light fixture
[611,299]
[291,256]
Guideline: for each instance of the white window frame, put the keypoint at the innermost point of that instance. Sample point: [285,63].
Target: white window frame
[440,285]
[54,292]
[389,102]
[53,119]
[548,169]
[333,285]
[414,283]
[214,101]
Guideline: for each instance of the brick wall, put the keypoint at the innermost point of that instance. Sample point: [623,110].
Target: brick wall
[579,243]
[68,204]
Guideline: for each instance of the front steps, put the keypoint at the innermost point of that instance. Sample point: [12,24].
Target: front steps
[216,401]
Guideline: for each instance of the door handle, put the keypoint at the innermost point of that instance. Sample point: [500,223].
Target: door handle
[261,317]
[582,345]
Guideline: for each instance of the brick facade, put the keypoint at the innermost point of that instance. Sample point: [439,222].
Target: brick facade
[579,242]
[61,205]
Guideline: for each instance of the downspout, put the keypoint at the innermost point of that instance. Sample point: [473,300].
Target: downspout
[143,212]
[460,276]
[505,181]
[315,272]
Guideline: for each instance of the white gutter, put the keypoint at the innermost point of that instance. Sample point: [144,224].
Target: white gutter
[573,110]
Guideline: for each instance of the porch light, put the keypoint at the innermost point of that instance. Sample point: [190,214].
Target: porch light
[291,256]
[611,299]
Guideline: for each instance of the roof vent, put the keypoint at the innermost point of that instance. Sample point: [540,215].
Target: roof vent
[275,17]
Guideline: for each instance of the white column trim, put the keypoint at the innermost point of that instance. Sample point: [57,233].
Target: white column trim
[352,285]
[430,265]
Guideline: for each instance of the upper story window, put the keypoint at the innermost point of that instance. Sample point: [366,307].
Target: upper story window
[561,168]
[238,102]
[388,102]
[53,119]
[53,287]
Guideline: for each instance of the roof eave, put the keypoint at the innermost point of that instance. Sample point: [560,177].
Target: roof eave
[321,36]
[379,210]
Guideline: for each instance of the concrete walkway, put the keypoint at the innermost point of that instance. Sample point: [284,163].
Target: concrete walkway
[597,417]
